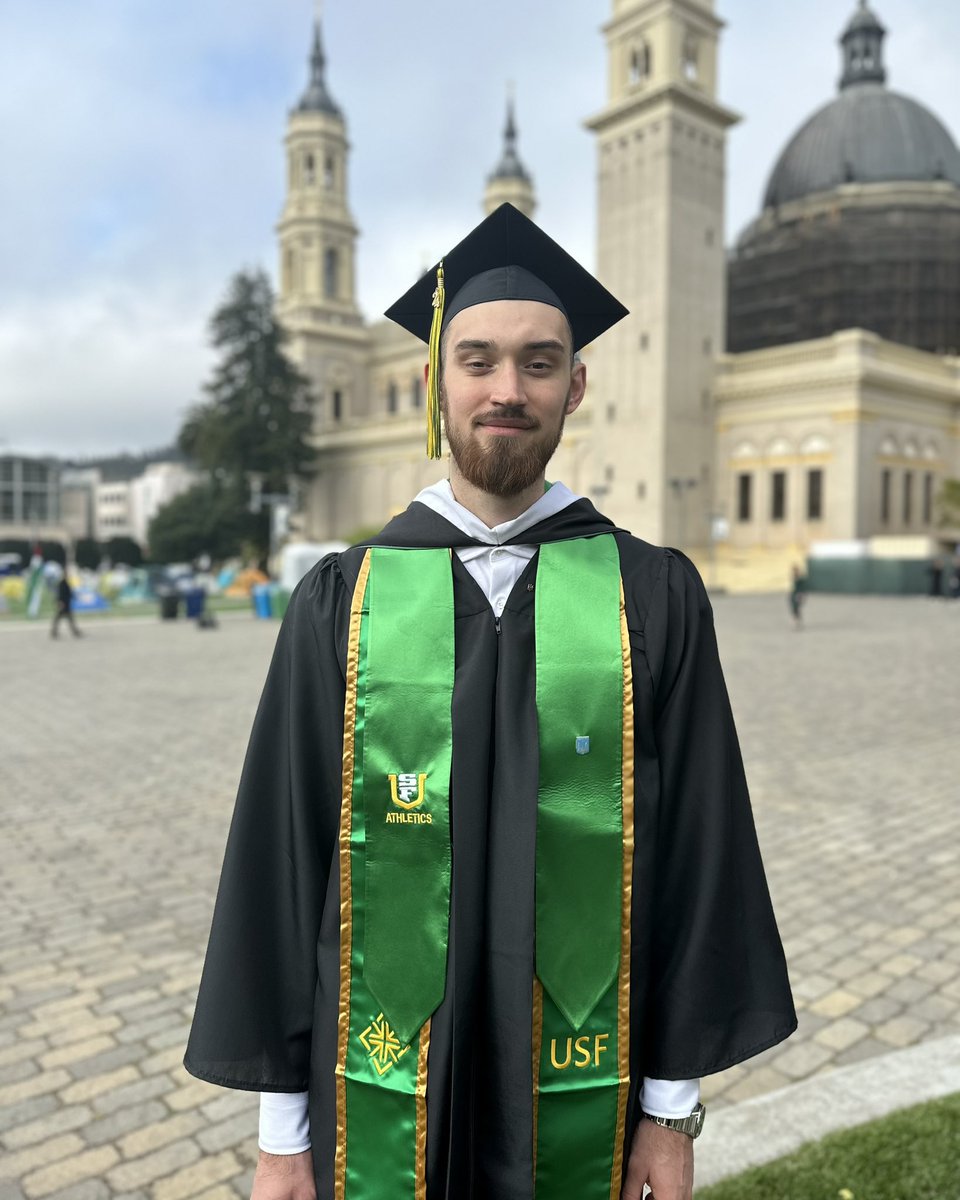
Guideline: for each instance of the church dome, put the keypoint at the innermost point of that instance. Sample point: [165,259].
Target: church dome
[860,225]
[866,135]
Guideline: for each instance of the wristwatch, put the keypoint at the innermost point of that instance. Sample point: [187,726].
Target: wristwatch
[691,1125]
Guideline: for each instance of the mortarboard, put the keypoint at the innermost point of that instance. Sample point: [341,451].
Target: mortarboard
[506,257]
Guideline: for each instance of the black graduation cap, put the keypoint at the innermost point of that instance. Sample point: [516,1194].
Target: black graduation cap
[506,257]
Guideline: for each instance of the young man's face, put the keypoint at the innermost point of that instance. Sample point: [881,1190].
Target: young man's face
[508,384]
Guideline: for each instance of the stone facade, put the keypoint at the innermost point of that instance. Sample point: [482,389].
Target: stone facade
[671,423]
[861,433]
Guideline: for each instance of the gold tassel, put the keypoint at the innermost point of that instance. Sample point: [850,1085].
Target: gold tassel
[433,371]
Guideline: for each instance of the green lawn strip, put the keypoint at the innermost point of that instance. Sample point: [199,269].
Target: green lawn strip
[910,1155]
[17,610]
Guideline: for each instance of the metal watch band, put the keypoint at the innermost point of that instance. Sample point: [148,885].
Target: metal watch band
[691,1125]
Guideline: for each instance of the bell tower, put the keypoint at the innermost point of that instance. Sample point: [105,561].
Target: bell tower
[317,242]
[661,149]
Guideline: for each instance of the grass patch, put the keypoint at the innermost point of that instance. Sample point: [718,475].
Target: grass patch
[910,1155]
[17,609]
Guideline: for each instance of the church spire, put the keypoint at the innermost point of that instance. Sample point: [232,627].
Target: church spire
[316,98]
[862,43]
[510,166]
[510,180]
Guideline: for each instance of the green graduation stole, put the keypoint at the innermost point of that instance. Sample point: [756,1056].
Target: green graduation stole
[395,866]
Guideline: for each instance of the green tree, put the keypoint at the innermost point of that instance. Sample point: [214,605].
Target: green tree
[258,412]
[123,550]
[17,546]
[211,518]
[86,551]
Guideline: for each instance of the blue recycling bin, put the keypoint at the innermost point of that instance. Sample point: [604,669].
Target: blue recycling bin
[194,600]
[261,600]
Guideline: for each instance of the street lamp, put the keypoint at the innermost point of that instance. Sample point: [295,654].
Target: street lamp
[280,504]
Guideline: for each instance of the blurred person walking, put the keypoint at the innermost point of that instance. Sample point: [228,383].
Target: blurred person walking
[64,608]
[798,595]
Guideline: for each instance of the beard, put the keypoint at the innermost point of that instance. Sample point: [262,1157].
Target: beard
[508,465]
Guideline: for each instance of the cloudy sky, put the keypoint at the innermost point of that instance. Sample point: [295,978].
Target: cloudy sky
[143,163]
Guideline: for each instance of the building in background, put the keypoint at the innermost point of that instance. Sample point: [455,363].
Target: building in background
[838,408]
[30,499]
[806,390]
[158,484]
[119,496]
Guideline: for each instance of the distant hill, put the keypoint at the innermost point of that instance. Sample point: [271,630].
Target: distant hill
[118,468]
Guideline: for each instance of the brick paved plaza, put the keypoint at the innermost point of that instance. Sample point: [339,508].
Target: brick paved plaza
[120,756]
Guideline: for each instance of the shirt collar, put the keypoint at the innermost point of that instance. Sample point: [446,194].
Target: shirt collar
[439,497]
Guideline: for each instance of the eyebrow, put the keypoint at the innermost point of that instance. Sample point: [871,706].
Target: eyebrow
[468,344]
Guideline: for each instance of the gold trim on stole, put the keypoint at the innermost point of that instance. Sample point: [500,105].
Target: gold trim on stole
[346,882]
[537,1050]
[623,1016]
[420,1182]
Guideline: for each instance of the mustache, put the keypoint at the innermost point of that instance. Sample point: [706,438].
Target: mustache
[509,414]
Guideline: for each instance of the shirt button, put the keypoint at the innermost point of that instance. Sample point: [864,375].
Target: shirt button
[499,603]
[497,554]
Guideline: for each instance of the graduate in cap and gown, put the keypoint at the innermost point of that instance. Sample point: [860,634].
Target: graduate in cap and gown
[492,900]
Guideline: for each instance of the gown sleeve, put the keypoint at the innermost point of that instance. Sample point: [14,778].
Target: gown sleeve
[254,1015]
[718,989]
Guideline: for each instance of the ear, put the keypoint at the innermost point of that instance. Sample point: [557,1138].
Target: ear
[578,386]
[426,373]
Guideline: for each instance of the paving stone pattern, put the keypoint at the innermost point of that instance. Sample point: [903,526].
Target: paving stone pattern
[120,754]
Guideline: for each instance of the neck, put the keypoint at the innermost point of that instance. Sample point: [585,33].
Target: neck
[493,510]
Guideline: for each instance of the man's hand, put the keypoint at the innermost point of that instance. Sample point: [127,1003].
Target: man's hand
[284,1177]
[662,1159]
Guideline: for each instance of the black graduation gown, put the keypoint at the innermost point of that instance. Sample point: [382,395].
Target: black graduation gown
[708,980]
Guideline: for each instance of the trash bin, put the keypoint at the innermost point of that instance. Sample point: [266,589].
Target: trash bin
[261,600]
[281,598]
[194,600]
[169,605]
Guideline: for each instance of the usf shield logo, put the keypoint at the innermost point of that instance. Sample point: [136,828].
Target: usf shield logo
[406,791]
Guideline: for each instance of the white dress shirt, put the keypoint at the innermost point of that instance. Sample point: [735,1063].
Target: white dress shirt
[284,1126]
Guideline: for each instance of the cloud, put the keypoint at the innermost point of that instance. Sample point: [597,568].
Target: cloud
[143,161]
[105,369]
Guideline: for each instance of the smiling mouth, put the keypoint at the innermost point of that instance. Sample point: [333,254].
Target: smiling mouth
[515,423]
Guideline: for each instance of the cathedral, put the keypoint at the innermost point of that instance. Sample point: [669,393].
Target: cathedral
[796,394]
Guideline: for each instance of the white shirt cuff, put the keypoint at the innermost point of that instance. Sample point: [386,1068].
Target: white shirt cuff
[284,1122]
[669,1097]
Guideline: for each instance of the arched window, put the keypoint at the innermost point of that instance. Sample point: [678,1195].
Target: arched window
[816,443]
[329,172]
[331,271]
[391,397]
[634,73]
[640,63]
[309,170]
[690,59]
[289,270]
[416,392]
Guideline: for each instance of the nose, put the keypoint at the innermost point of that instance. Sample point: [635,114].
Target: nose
[506,386]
